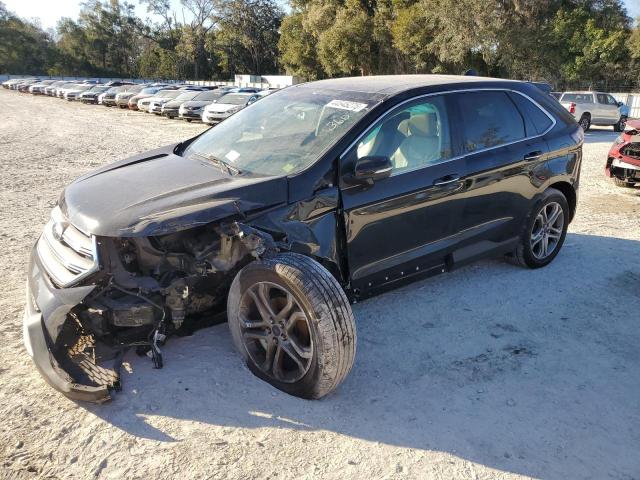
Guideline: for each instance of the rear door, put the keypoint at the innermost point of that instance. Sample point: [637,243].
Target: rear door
[402,225]
[607,113]
[502,146]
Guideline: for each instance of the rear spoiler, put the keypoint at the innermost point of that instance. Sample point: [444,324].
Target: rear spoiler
[544,86]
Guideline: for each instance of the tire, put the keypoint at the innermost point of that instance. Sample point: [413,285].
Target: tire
[623,183]
[527,254]
[619,127]
[323,330]
[585,121]
[188,120]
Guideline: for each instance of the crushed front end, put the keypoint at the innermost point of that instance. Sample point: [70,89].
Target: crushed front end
[623,161]
[91,298]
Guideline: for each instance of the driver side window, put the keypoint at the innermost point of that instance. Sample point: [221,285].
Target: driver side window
[414,136]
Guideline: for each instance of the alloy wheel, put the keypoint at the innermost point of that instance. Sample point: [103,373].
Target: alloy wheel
[585,123]
[275,332]
[547,230]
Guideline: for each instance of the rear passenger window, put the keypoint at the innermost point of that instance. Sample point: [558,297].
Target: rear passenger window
[537,121]
[490,119]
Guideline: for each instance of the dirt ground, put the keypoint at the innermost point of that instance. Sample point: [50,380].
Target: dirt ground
[489,372]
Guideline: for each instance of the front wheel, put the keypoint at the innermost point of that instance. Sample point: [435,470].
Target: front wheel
[619,127]
[544,231]
[293,325]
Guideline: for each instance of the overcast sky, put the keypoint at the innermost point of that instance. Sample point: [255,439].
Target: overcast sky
[50,11]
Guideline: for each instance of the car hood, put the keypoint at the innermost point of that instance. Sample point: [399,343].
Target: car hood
[121,95]
[196,103]
[158,192]
[139,96]
[222,107]
[173,104]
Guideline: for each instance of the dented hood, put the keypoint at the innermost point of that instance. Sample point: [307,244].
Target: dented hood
[159,192]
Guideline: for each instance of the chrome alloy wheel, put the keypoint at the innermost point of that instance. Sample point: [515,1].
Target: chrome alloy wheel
[275,332]
[547,230]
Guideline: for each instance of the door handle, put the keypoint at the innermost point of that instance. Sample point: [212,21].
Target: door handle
[452,178]
[532,156]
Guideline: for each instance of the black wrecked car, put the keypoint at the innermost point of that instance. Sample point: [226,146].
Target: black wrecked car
[319,195]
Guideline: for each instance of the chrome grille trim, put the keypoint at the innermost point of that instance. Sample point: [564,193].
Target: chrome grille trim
[67,258]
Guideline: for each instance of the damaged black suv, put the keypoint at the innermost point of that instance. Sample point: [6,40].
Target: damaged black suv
[314,197]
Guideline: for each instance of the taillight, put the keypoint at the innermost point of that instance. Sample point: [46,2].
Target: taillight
[572,108]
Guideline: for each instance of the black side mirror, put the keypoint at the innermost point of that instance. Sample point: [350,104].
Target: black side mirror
[620,103]
[369,169]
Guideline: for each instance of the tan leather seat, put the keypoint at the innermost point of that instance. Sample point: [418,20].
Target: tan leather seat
[422,144]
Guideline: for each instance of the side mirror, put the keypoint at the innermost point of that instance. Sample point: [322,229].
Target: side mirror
[369,169]
[620,104]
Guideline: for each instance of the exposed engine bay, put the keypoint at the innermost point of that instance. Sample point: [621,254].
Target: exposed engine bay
[149,288]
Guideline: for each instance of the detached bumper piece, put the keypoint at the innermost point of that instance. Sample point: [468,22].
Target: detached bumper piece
[64,354]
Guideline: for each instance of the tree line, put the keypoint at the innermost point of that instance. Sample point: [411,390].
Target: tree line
[564,42]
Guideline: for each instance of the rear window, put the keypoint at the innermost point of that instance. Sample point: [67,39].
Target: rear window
[490,119]
[577,97]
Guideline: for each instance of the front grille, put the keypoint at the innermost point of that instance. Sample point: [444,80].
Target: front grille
[632,150]
[66,253]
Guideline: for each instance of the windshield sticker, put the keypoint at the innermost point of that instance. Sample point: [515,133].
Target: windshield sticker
[335,122]
[346,105]
[232,156]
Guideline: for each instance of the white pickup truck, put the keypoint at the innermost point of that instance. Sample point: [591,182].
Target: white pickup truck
[594,108]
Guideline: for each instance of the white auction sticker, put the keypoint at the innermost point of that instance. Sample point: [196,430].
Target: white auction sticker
[232,156]
[346,105]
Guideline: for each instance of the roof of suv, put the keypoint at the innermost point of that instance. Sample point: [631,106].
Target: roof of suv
[392,84]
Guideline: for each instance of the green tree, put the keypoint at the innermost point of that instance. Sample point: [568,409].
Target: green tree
[24,47]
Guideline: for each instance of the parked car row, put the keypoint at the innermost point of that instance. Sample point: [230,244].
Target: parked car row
[208,104]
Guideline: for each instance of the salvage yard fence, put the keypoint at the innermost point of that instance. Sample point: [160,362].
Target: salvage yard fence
[262,85]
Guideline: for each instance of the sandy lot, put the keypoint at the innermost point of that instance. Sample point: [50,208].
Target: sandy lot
[488,372]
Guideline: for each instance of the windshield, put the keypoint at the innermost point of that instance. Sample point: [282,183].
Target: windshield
[168,93]
[99,89]
[186,96]
[150,90]
[285,132]
[234,99]
[133,88]
[210,95]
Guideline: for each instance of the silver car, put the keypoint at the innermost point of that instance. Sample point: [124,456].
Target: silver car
[594,108]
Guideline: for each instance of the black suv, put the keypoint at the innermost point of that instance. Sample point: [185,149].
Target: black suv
[317,195]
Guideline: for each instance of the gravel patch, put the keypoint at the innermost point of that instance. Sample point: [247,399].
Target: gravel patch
[489,372]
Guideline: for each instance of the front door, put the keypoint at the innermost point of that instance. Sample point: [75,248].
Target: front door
[401,225]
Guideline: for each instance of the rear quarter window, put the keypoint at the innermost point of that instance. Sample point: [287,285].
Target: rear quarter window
[537,121]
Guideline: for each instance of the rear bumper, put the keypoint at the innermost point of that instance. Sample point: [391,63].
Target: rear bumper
[45,313]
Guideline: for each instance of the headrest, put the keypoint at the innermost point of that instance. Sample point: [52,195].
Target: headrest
[423,125]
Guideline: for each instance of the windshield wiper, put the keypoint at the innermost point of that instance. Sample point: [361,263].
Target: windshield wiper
[224,166]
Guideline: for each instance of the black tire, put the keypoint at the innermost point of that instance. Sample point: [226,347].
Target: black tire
[623,183]
[585,121]
[188,120]
[619,127]
[331,328]
[524,254]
